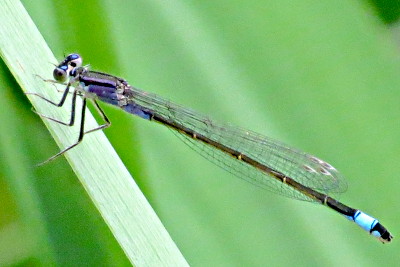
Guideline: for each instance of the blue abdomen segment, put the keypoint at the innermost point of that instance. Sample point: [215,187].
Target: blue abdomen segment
[371,225]
[365,221]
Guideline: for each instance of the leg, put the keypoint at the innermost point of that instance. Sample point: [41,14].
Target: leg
[46,80]
[81,134]
[72,120]
[82,128]
[54,82]
[103,115]
[64,96]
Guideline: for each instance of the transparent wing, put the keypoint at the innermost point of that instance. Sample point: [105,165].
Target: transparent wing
[301,167]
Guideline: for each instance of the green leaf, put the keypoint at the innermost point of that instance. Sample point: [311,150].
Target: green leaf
[110,186]
[321,76]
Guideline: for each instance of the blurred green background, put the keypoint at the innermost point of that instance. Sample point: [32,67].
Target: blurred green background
[322,76]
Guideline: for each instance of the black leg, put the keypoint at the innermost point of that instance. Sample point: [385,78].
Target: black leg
[81,134]
[73,105]
[82,126]
[51,102]
[103,115]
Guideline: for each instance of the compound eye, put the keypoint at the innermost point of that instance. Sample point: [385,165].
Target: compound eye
[60,74]
[75,60]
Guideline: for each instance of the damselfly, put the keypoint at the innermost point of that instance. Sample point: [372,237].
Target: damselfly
[257,159]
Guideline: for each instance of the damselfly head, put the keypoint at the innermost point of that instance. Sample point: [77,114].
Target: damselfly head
[63,70]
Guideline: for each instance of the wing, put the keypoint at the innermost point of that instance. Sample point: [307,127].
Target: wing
[301,167]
